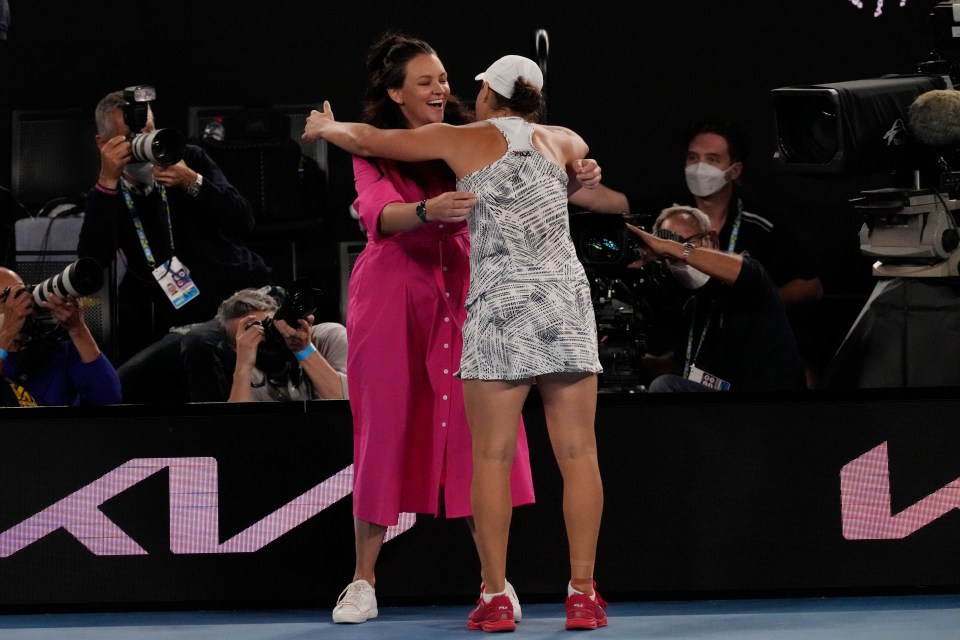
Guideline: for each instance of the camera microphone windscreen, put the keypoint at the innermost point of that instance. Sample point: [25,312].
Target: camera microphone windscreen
[934,118]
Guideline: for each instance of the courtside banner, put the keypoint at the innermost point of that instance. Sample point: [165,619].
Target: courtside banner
[706,495]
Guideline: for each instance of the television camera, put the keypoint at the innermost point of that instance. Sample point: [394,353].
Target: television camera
[907,125]
[605,247]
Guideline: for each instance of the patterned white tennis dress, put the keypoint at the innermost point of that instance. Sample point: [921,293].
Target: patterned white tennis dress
[529,310]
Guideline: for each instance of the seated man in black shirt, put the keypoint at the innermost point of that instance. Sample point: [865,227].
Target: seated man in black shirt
[737,337]
[181,224]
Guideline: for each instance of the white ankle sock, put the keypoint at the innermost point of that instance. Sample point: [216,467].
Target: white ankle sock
[488,597]
[571,591]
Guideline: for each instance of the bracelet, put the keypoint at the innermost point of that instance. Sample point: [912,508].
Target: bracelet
[422,210]
[4,354]
[102,189]
[307,351]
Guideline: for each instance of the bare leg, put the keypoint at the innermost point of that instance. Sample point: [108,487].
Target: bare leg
[570,407]
[493,411]
[368,538]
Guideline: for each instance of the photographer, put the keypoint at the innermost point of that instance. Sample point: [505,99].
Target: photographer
[272,356]
[44,367]
[737,333]
[179,223]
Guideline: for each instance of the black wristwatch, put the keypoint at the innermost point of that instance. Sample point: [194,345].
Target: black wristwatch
[193,189]
[422,210]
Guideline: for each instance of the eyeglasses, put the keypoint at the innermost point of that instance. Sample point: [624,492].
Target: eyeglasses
[696,236]
[673,235]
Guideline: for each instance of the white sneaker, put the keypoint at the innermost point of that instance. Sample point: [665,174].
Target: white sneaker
[357,603]
[515,601]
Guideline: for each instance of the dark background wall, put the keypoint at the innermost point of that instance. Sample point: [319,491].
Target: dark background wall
[629,78]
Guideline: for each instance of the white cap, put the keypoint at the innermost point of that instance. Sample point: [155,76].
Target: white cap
[503,73]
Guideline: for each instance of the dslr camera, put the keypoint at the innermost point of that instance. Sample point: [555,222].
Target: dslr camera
[81,278]
[297,302]
[161,146]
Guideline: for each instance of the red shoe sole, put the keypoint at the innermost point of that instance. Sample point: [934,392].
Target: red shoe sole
[586,623]
[500,625]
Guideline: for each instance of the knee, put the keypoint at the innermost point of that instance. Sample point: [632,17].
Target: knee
[494,454]
[576,451]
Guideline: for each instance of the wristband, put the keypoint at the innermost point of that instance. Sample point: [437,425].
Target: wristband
[107,190]
[4,354]
[307,351]
[422,211]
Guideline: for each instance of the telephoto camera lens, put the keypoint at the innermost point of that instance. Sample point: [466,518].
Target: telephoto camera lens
[163,146]
[81,278]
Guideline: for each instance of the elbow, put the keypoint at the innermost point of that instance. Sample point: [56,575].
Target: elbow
[359,144]
[362,150]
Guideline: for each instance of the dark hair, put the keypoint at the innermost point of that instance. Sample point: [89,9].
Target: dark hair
[738,145]
[387,63]
[527,100]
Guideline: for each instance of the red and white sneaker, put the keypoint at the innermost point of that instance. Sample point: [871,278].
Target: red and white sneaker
[585,612]
[514,600]
[496,615]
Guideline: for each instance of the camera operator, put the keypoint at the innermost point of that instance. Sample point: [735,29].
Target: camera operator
[40,366]
[738,336]
[271,366]
[182,222]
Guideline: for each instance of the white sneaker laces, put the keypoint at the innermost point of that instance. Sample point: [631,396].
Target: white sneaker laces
[352,595]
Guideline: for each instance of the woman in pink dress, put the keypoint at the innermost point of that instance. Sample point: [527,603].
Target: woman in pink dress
[405,309]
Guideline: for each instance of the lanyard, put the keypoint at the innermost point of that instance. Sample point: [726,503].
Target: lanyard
[138,225]
[691,357]
[735,232]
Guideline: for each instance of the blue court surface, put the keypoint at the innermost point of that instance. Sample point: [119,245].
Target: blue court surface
[936,617]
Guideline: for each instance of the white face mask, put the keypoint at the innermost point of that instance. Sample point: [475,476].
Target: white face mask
[687,275]
[705,179]
[140,172]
